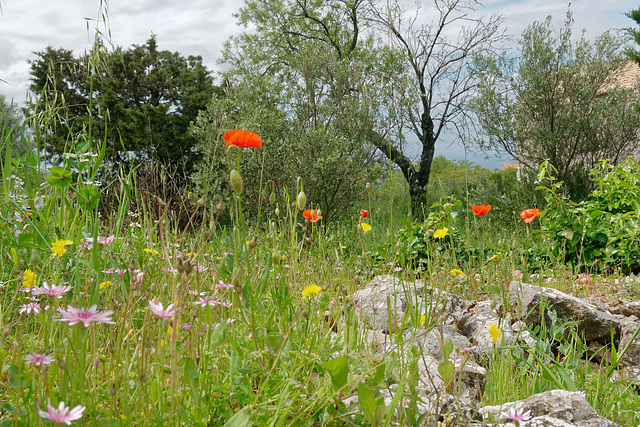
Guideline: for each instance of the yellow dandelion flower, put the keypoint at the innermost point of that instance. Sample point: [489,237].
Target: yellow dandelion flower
[365,227]
[456,272]
[441,233]
[28,278]
[311,290]
[151,251]
[106,284]
[58,247]
[422,319]
[495,332]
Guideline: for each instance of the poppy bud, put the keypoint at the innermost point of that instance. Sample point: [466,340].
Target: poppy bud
[253,242]
[305,314]
[272,198]
[236,181]
[6,330]
[277,212]
[368,186]
[200,202]
[35,258]
[276,257]
[220,207]
[301,200]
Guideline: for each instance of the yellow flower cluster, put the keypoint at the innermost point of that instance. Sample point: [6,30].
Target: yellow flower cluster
[58,247]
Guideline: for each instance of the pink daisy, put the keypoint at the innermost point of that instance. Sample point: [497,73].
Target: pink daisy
[53,290]
[28,308]
[517,415]
[160,311]
[38,359]
[76,315]
[222,285]
[62,414]
[205,301]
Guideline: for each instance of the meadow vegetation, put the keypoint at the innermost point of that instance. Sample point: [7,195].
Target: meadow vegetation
[129,319]
[127,300]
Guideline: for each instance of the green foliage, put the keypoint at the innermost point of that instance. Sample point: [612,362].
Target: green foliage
[558,100]
[416,241]
[602,231]
[139,102]
[311,101]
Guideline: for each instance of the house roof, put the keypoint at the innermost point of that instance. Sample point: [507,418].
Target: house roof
[625,77]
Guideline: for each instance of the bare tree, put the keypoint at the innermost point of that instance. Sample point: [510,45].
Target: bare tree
[438,83]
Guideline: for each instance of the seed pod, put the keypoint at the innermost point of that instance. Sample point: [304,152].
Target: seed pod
[301,200]
[272,198]
[236,181]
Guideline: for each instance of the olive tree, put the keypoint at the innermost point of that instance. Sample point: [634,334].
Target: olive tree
[559,100]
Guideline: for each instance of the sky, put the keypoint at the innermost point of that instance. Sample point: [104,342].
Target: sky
[200,27]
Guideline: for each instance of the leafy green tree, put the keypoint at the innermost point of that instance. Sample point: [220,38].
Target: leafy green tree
[337,79]
[306,81]
[634,54]
[559,101]
[139,101]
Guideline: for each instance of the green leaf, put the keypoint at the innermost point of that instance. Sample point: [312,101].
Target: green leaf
[379,375]
[338,369]
[447,348]
[89,197]
[568,234]
[192,377]
[239,419]
[447,371]
[394,402]
[218,335]
[59,177]
[367,402]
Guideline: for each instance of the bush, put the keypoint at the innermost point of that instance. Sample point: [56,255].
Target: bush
[602,231]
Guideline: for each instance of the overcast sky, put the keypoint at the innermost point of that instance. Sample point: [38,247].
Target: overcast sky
[200,27]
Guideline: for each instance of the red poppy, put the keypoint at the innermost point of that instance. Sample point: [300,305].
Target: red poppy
[242,138]
[311,215]
[364,213]
[481,210]
[529,214]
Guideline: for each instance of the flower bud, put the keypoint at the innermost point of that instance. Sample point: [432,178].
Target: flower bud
[35,258]
[220,206]
[301,200]
[277,212]
[305,313]
[272,198]
[253,242]
[236,181]
[368,186]
[200,202]
[276,257]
